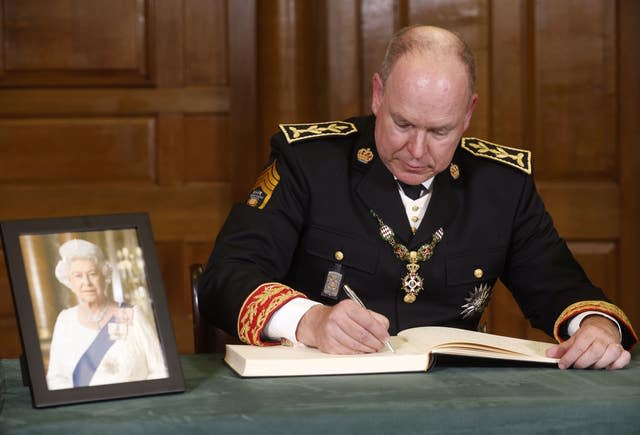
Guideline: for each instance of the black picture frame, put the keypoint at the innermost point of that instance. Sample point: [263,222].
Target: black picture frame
[30,247]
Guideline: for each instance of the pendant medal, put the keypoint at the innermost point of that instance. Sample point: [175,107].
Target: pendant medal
[412,283]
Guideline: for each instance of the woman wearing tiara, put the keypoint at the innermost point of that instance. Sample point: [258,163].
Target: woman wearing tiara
[98,341]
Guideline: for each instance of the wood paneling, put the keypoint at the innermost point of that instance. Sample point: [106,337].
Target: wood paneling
[108,101]
[65,42]
[206,43]
[343,69]
[212,162]
[95,150]
[575,87]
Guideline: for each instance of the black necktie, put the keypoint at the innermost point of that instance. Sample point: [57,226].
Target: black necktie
[412,191]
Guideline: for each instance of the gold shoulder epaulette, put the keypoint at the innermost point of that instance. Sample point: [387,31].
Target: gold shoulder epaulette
[297,132]
[520,159]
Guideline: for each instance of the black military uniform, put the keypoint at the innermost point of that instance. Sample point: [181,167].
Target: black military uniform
[319,206]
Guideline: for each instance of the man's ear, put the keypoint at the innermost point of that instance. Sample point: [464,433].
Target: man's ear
[470,109]
[376,94]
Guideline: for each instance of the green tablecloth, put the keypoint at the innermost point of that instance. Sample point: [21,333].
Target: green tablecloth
[445,400]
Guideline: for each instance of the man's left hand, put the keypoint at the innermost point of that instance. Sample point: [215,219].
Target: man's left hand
[596,344]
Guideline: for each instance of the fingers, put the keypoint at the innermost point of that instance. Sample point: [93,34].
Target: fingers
[345,328]
[621,362]
[591,347]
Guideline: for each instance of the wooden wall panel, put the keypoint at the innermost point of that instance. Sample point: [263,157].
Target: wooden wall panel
[343,68]
[66,42]
[575,88]
[206,149]
[206,43]
[78,150]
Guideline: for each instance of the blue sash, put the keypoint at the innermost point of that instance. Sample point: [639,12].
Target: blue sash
[92,357]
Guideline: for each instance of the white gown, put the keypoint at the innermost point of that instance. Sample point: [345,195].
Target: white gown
[136,357]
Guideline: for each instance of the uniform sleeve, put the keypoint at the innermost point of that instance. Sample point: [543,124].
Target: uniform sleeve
[240,288]
[547,282]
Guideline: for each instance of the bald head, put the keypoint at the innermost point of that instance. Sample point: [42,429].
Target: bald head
[434,42]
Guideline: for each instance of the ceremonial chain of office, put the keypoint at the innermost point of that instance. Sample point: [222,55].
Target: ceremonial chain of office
[412,283]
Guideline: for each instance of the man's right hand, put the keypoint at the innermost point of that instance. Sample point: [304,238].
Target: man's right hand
[345,328]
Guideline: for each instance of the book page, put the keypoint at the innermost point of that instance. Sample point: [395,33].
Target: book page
[455,341]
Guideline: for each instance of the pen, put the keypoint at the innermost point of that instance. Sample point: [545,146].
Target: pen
[354,297]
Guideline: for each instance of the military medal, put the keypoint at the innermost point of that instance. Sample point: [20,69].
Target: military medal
[477,301]
[412,283]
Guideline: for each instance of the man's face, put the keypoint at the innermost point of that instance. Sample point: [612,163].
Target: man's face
[421,114]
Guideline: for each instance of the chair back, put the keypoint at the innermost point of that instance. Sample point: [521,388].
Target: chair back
[206,337]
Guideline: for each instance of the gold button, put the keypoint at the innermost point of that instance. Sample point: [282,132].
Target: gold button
[338,255]
[478,273]
[414,218]
[415,208]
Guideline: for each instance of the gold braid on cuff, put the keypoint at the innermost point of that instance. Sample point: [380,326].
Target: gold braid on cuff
[629,336]
[258,308]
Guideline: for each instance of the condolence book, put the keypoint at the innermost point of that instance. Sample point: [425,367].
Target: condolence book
[414,348]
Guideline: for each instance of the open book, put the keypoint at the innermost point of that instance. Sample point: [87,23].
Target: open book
[414,352]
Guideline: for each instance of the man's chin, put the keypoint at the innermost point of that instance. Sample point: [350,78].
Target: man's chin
[413,178]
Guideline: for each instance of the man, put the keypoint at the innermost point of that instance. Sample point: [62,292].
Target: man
[335,207]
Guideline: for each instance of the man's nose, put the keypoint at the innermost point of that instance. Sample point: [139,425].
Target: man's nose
[418,145]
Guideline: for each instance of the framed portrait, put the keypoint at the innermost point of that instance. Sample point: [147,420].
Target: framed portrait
[91,308]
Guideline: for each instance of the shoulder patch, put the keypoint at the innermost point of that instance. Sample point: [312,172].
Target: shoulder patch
[519,159]
[265,185]
[297,132]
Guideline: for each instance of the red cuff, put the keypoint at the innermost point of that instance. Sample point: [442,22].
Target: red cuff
[629,336]
[258,308]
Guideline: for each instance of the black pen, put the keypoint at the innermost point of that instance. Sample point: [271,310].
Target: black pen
[354,297]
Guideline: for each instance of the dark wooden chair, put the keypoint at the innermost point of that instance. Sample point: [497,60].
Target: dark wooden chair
[207,338]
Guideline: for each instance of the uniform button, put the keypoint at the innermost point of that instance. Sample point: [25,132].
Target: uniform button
[338,255]
[414,218]
[415,208]
[478,273]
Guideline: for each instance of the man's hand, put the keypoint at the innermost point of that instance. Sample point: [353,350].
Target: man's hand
[345,328]
[596,345]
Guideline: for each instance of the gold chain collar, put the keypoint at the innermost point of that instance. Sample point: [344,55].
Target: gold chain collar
[412,283]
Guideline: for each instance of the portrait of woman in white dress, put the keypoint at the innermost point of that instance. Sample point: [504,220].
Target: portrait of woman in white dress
[98,340]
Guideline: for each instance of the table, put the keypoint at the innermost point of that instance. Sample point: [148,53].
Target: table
[447,399]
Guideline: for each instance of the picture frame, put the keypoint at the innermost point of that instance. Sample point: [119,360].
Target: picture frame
[91,308]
